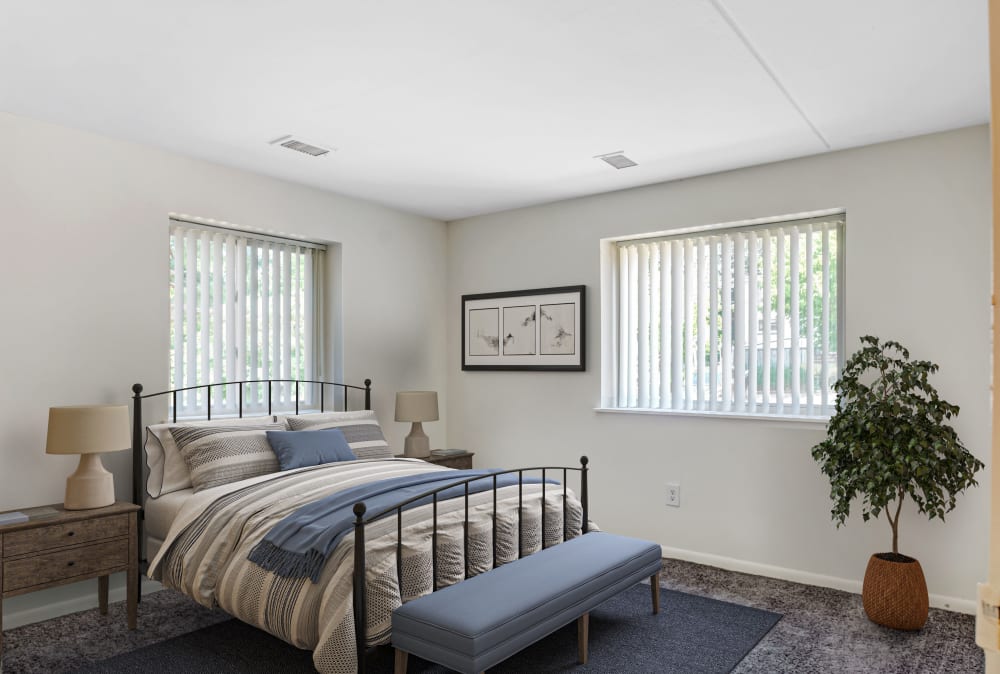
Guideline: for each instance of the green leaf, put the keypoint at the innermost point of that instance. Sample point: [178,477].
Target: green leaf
[889,439]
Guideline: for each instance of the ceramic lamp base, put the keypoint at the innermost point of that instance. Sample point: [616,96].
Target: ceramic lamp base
[417,445]
[91,486]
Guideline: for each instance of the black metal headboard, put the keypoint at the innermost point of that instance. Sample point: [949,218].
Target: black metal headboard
[138,460]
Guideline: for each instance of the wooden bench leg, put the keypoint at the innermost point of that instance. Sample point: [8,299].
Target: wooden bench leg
[654,586]
[401,659]
[582,634]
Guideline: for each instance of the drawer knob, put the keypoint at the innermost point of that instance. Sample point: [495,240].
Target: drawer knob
[71,533]
[70,563]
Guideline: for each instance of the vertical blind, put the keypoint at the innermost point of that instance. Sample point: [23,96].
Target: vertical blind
[742,320]
[243,308]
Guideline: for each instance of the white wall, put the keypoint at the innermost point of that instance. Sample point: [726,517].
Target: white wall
[918,271]
[83,283]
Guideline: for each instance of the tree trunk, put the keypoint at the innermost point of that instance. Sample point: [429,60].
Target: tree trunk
[894,523]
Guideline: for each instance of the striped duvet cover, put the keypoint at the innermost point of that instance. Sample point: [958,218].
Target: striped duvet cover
[205,553]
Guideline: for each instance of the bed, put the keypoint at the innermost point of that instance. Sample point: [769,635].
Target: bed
[200,529]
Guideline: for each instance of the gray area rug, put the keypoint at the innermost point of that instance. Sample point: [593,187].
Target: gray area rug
[822,630]
[690,635]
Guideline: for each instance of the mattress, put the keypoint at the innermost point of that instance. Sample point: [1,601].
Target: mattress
[160,512]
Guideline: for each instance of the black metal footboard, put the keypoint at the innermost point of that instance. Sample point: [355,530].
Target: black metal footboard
[362,518]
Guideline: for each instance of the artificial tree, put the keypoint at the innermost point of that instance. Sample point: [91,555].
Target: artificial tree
[889,439]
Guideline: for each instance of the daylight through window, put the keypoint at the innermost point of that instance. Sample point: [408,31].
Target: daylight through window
[242,307]
[742,320]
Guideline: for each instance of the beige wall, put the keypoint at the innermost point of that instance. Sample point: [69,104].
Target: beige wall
[752,498]
[83,283]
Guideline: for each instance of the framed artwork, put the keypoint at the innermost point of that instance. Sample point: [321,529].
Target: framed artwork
[541,329]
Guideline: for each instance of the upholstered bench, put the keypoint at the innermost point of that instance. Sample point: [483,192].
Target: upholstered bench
[478,623]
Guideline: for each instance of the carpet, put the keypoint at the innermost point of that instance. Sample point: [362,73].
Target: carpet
[691,634]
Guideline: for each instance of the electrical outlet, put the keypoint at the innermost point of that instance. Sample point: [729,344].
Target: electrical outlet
[674,494]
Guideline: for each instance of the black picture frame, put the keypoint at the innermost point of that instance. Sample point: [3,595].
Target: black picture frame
[559,343]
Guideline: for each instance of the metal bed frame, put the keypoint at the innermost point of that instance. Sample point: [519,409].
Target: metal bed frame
[362,517]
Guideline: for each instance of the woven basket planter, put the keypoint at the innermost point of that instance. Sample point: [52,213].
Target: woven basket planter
[895,592]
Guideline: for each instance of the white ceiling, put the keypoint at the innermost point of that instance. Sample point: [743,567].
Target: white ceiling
[452,108]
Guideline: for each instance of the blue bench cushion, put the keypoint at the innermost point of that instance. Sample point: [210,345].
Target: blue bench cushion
[483,620]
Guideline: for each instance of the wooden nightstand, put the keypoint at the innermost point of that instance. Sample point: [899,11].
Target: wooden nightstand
[461,461]
[58,546]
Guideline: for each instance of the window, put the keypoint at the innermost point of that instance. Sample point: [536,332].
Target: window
[243,307]
[741,320]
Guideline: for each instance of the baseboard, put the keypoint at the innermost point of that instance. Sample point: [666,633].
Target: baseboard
[806,578]
[60,608]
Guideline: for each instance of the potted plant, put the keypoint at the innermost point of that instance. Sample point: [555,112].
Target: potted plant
[887,440]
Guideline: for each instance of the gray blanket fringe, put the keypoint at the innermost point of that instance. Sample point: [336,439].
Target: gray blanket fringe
[288,564]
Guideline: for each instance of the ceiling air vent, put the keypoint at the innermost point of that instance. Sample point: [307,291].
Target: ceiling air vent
[616,159]
[299,145]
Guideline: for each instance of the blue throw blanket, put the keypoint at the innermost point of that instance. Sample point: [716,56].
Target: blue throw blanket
[298,546]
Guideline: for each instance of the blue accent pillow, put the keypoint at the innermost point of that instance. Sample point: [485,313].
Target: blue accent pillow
[298,449]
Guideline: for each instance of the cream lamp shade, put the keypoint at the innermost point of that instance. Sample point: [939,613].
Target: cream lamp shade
[88,430]
[417,406]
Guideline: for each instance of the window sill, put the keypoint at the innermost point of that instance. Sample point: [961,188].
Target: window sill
[817,421]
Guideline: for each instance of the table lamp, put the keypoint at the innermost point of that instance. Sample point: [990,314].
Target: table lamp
[417,406]
[88,430]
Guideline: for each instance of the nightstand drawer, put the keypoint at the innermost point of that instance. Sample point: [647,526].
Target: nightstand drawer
[64,564]
[60,535]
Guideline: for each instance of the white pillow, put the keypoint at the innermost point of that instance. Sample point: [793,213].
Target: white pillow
[360,429]
[167,470]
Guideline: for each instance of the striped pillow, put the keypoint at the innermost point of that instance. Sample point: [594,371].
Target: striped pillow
[167,470]
[360,429]
[221,454]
